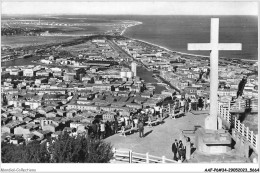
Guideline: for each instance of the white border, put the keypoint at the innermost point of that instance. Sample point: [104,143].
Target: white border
[184,167]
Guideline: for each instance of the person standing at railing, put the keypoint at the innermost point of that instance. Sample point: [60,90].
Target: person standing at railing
[185,109]
[131,118]
[160,113]
[189,105]
[152,111]
[150,117]
[102,130]
[141,129]
[182,104]
[126,119]
[135,122]
[94,130]
[107,129]
[116,126]
[241,86]
[200,103]
[204,103]
[112,127]
[98,130]
[172,114]
[208,102]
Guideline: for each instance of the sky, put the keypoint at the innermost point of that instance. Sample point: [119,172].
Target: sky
[130,7]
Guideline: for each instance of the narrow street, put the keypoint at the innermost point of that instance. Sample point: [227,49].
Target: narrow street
[118,49]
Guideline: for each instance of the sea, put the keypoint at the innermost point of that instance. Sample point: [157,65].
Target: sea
[175,32]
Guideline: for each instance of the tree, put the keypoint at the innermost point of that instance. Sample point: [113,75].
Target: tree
[65,149]
[80,149]
[34,152]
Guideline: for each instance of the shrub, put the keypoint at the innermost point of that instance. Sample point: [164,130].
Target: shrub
[65,149]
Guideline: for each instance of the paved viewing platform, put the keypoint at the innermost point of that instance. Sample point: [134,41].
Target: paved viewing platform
[158,139]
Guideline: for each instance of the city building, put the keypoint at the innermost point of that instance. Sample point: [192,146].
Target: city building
[134,68]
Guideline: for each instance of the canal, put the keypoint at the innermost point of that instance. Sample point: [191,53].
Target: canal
[146,75]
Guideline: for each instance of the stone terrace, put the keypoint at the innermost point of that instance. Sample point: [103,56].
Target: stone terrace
[158,139]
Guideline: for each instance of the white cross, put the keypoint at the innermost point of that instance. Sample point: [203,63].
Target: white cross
[214,46]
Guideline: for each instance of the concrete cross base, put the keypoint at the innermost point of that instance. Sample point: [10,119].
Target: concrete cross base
[212,141]
[219,123]
[211,122]
[230,157]
[242,148]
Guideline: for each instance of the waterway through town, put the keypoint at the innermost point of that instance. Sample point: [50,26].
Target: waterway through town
[147,76]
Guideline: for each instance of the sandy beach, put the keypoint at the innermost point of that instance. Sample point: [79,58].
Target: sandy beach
[164,48]
[172,51]
[137,23]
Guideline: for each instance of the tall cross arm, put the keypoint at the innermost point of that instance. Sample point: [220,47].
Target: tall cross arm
[199,46]
[230,46]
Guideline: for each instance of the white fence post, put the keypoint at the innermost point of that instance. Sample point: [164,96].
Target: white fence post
[256,142]
[130,156]
[233,132]
[243,130]
[219,108]
[252,137]
[225,115]
[229,118]
[247,133]
[238,126]
[236,123]
[163,159]
[147,157]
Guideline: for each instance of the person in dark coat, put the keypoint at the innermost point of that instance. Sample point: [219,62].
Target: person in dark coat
[181,151]
[200,103]
[98,131]
[141,129]
[112,127]
[116,126]
[107,129]
[175,147]
[241,86]
[94,128]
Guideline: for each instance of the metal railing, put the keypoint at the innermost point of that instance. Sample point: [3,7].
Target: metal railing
[240,105]
[243,131]
[128,156]
[240,131]
[254,105]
